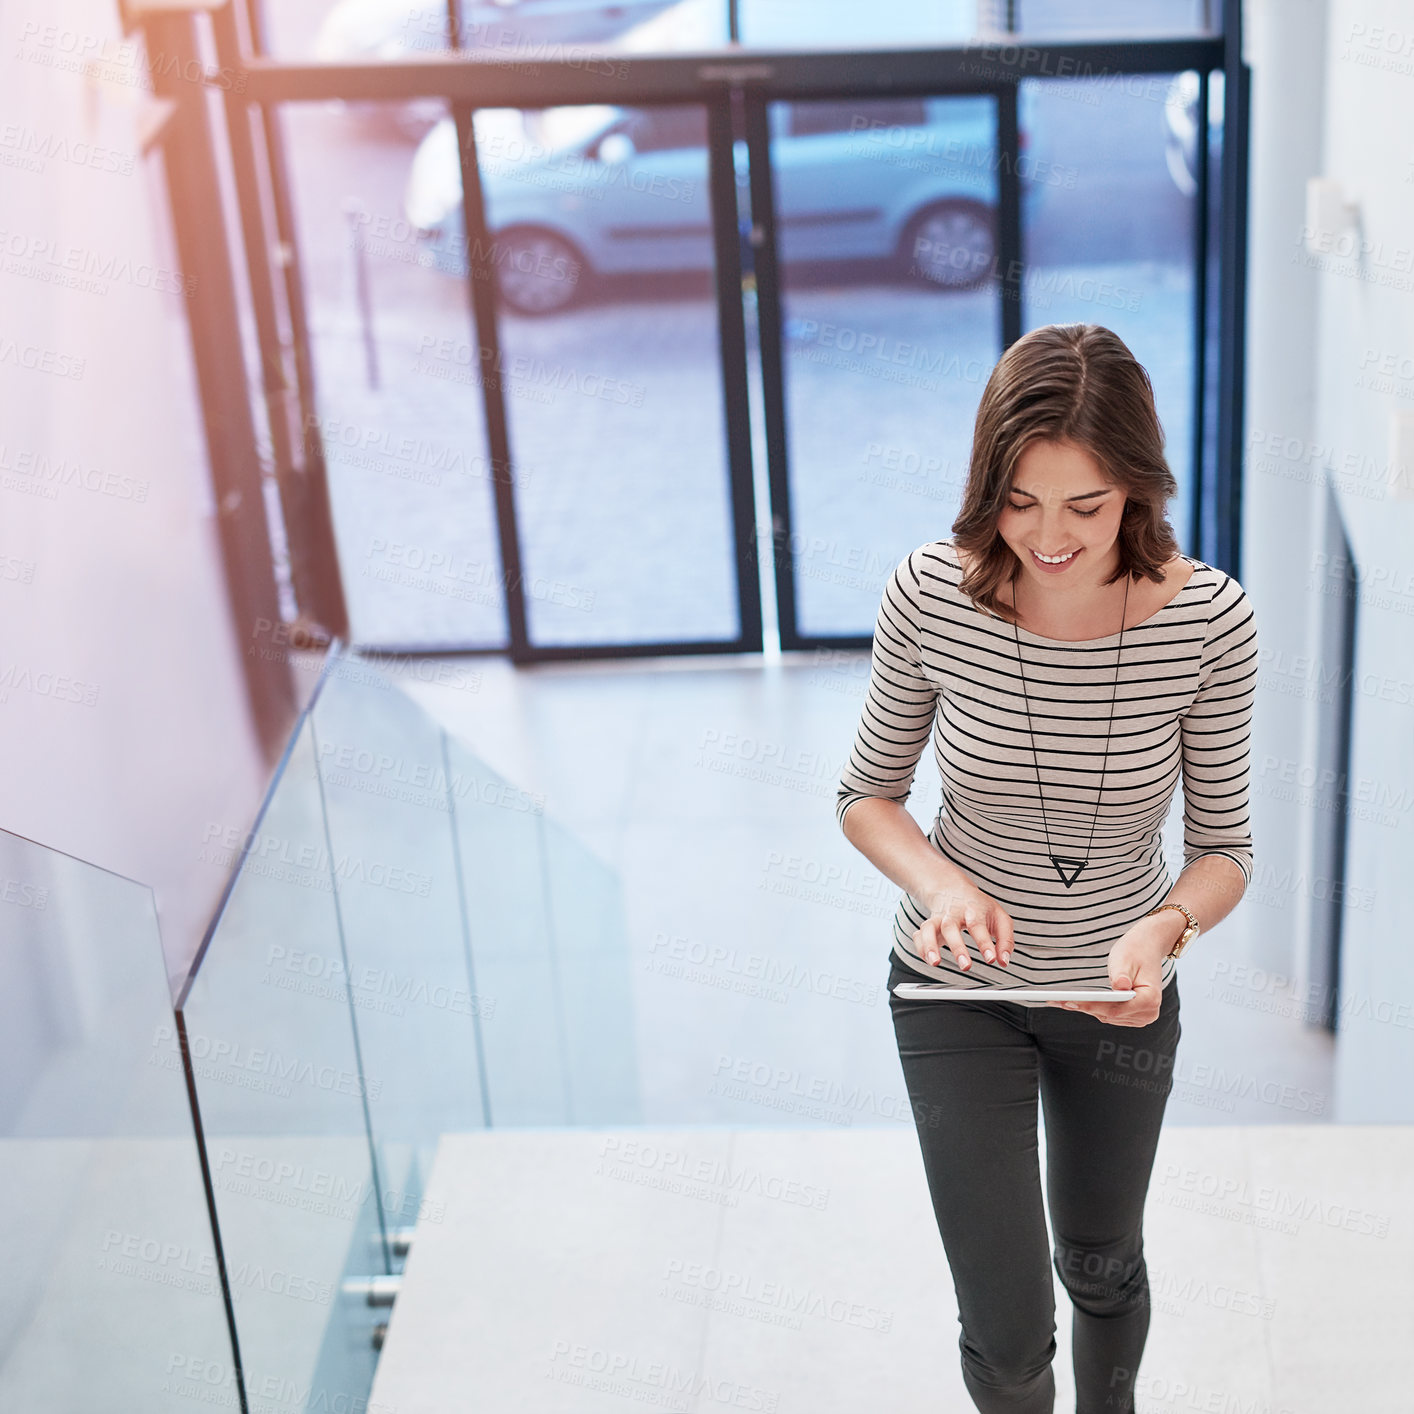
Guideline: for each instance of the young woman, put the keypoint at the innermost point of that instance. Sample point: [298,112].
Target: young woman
[1071,666]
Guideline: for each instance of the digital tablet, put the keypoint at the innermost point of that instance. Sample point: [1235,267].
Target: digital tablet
[940,992]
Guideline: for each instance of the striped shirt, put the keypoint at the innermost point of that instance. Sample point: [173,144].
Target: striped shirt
[1183,707]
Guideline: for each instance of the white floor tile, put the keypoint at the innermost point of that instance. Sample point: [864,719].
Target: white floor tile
[801,1268]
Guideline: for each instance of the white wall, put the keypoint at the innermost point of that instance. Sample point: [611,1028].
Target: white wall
[1284,42]
[1331,355]
[110,585]
[1364,356]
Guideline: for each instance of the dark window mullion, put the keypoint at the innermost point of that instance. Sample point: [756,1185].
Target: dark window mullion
[766,262]
[486,334]
[736,403]
[1226,552]
[1197,491]
[1011,271]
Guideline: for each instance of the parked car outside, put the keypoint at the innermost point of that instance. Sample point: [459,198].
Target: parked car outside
[575,194]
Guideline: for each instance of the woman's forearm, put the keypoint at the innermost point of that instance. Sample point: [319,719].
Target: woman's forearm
[1210,888]
[889,838]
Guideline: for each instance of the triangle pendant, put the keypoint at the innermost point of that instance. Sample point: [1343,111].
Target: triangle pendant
[1074,865]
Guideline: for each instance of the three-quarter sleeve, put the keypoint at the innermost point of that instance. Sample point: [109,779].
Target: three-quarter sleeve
[899,704]
[1216,734]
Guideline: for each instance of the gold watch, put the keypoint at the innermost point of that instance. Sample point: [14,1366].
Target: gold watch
[1188,934]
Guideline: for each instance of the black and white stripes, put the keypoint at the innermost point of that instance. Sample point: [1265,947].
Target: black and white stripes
[1183,710]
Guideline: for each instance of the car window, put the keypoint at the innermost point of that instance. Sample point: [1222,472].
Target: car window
[668,129]
[814,119]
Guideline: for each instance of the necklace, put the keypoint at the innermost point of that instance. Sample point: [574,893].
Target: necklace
[1069,869]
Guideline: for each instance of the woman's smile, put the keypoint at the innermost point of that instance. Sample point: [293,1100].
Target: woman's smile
[1055,565]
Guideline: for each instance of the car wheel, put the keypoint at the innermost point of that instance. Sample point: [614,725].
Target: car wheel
[952,245]
[537,272]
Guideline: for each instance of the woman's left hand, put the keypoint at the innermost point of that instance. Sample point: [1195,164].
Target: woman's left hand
[1136,960]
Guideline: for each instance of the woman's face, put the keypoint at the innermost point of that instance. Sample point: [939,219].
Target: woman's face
[1061,505]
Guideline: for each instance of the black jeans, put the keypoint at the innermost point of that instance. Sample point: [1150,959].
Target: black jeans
[973,1072]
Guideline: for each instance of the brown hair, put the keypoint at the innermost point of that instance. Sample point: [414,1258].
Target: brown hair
[1077,383]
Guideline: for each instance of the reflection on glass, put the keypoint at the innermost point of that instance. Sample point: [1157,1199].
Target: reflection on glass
[110,1298]
[801,24]
[1112,242]
[398,393]
[550,954]
[363,31]
[517,1011]
[602,246]
[385,791]
[283,1104]
[498,833]
[1099,19]
[886,220]
[593,979]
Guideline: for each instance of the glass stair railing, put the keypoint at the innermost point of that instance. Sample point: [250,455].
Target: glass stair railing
[210,1201]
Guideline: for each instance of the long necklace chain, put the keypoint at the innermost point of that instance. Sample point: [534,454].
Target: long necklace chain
[1075,865]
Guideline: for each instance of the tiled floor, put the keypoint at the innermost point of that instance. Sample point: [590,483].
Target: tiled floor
[757,932]
[801,1270]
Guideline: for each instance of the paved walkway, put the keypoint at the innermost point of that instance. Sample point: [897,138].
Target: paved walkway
[616,427]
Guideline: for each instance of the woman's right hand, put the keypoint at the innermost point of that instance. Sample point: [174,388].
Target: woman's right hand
[964,906]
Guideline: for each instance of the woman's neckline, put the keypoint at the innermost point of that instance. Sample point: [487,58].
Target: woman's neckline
[1104,638]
